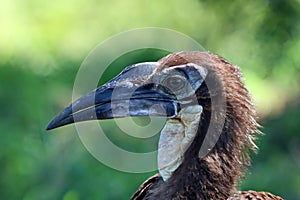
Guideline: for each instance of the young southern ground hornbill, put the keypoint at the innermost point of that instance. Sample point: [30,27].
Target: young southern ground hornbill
[204,146]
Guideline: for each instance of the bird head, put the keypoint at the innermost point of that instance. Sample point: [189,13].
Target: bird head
[186,87]
[144,89]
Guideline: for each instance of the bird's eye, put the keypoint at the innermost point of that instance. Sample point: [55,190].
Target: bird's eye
[174,82]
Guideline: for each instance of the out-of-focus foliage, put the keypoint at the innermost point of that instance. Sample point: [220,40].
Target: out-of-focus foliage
[43,43]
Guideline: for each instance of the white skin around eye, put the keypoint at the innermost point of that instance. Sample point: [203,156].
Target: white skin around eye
[175,138]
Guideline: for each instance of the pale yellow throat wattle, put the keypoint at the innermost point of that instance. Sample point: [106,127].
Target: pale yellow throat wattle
[175,138]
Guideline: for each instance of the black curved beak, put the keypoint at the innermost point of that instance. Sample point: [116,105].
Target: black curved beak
[128,94]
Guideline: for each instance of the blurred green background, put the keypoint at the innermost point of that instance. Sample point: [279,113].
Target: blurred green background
[42,44]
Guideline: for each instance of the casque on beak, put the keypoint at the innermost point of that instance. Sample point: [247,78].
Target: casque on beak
[128,94]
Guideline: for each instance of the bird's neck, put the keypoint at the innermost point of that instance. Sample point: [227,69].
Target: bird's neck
[211,177]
